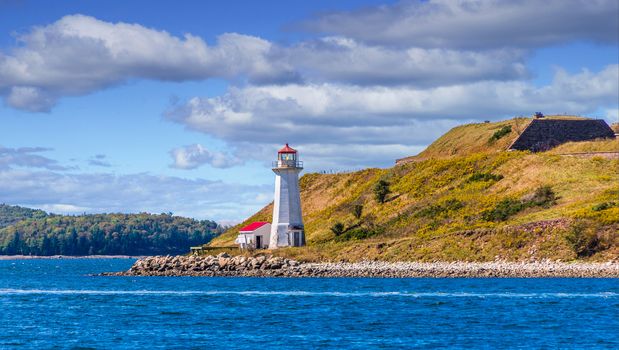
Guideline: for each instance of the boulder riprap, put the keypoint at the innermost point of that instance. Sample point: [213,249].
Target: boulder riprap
[272,266]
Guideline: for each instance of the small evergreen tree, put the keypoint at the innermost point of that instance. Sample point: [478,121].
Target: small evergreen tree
[381,190]
[337,228]
[544,196]
[357,211]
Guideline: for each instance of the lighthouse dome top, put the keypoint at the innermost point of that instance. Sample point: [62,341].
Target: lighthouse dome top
[287,149]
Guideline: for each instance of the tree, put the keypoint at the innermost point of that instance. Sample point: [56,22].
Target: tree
[357,211]
[381,190]
[337,228]
[14,245]
[134,234]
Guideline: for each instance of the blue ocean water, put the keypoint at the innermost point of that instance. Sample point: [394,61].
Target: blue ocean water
[58,304]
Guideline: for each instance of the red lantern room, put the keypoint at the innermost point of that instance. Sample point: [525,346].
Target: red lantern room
[287,158]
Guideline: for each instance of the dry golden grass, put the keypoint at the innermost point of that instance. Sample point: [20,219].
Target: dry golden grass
[459,233]
[474,138]
[565,117]
[580,184]
[603,145]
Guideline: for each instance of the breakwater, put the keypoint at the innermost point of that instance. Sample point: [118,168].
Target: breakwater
[271,266]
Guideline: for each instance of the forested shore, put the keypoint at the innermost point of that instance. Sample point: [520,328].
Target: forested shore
[38,233]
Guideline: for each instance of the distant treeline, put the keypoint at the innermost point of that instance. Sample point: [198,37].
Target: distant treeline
[10,214]
[39,233]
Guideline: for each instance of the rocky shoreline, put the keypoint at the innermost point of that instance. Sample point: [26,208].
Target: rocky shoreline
[270,266]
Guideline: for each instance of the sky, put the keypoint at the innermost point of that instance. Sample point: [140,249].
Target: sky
[170,106]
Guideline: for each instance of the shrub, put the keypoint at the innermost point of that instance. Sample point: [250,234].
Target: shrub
[603,206]
[500,133]
[381,190]
[503,210]
[583,241]
[429,211]
[436,210]
[337,228]
[484,177]
[543,196]
[357,211]
[453,204]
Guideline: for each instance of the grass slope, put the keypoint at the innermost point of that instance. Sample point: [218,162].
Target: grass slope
[474,138]
[441,206]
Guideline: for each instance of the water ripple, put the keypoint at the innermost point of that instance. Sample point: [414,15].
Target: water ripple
[256,293]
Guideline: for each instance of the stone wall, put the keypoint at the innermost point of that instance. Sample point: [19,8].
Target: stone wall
[543,134]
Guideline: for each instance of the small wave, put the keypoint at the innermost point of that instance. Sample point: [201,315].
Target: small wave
[178,313]
[306,293]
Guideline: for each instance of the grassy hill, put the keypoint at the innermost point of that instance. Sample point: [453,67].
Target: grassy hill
[465,198]
[11,214]
[475,138]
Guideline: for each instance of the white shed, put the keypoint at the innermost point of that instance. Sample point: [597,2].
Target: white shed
[254,236]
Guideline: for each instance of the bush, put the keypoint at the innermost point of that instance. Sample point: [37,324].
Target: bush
[430,211]
[500,133]
[603,206]
[337,228]
[381,190]
[484,177]
[436,210]
[543,196]
[357,211]
[583,241]
[503,210]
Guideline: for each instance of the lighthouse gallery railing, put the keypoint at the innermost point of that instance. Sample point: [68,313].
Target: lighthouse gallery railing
[287,164]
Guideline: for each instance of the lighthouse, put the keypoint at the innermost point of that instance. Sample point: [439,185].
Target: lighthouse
[287,226]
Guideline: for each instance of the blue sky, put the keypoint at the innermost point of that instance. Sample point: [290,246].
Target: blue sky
[164,106]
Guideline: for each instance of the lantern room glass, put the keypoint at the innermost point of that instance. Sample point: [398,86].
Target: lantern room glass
[287,157]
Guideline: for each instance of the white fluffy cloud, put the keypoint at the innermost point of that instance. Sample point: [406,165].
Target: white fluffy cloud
[475,24]
[340,114]
[80,54]
[193,156]
[344,60]
[374,125]
[105,192]
[612,114]
[418,44]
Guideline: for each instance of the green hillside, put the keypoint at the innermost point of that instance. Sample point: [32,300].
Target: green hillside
[465,198]
[11,214]
[475,138]
[38,233]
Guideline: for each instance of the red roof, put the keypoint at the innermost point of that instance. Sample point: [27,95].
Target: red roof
[253,226]
[287,149]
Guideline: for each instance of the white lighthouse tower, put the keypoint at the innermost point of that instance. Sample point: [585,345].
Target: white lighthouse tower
[287,226]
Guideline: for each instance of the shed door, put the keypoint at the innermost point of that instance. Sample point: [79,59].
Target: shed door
[258,242]
[297,239]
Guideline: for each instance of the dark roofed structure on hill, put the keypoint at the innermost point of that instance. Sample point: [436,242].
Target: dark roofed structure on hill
[544,134]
